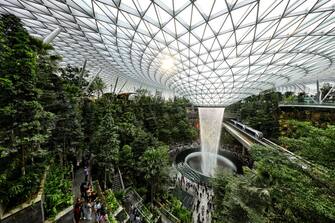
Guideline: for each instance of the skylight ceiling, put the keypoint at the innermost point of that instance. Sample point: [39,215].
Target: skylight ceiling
[215,52]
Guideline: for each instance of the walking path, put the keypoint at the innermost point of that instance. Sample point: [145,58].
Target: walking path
[79,177]
[201,206]
[203,199]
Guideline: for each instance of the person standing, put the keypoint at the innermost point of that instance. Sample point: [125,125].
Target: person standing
[86,173]
[83,190]
[97,207]
[77,210]
[89,210]
[103,216]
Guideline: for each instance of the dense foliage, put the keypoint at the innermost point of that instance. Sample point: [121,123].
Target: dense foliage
[16,188]
[57,190]
[112,203]
[49,113]
[154,166]
[313,143]
[277,190]
[52,113]
[25,125]
[177,209]
[134,130]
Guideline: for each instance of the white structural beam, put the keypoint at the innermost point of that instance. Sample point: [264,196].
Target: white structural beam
[331,90]
[124,84]
[95,76]
[49,38]
[81,75]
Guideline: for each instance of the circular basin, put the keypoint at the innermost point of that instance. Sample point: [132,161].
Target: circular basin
[206,163]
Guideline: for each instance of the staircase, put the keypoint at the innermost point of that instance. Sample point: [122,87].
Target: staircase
[117,183]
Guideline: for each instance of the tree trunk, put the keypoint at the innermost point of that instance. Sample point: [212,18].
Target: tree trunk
[105,180]
[152,194]
[23,162]
[60,157]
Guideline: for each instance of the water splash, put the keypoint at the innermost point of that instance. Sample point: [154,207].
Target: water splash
[210,132]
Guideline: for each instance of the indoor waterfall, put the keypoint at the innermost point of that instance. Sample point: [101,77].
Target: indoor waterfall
[210,133]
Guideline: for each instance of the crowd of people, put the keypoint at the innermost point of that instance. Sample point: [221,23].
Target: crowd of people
[203,199]
[175,149]
[203,205]
[88,207]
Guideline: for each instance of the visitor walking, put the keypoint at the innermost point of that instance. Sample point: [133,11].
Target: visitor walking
[97,209]
[87,210]
[83,188]
[103,216]
[77,210]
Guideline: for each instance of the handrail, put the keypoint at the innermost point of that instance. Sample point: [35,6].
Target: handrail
[121,179]
[167,213]
[143,211]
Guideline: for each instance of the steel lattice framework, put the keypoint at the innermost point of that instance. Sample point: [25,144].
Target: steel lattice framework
[220,50]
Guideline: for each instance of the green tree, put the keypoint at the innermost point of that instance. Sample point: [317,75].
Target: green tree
[126,156]
[313,143]
[154,165]
[260,112]
[25,125]
[127,162]
[277,190]
[106,145]
[68,136]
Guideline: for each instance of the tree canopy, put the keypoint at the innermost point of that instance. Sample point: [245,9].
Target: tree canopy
[277,190]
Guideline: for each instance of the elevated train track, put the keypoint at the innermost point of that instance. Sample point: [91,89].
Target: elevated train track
[249,136]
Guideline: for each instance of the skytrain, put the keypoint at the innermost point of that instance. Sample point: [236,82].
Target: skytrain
[255,133]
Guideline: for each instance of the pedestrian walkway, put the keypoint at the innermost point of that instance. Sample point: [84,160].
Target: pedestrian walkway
[79,177]
[202,206]
[203,199]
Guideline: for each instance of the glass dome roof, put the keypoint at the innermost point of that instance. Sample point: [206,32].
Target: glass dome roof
[214,52]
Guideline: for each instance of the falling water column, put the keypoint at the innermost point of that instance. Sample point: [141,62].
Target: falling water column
[210,133]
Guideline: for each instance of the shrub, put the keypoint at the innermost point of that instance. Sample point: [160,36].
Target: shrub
[57,190]
[111,201]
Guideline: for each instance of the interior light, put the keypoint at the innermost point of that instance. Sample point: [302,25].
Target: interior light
[167,63]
